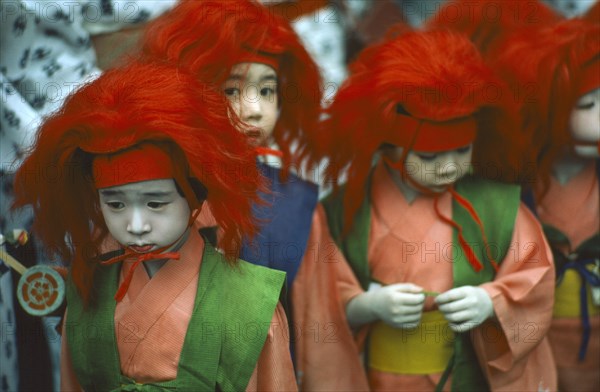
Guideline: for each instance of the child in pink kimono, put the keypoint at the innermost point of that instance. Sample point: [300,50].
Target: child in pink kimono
[135,154]
[561,115]
[442,275]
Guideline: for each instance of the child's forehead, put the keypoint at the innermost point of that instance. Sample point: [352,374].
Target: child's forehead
[252,71]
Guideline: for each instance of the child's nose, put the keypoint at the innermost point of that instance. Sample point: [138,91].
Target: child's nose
[251,105]
[449,166]
[137,224]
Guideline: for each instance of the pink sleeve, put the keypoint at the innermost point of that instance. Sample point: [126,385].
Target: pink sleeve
[514,345]
[68,379]
[327,358]
[274,370]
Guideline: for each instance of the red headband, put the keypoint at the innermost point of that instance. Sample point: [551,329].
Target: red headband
[141,163]
[433,136]
[270,59]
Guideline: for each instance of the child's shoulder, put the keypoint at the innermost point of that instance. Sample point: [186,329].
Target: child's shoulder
[260,272]
[241,273]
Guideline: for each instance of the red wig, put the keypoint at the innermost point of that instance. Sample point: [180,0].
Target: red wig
[435,77]
[548,69]
[488,22]
[123,108]
[210,37]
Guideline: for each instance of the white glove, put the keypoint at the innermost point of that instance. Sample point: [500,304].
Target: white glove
[465,307]
[399,305]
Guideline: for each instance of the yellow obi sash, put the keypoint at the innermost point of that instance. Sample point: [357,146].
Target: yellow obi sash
[422,350]
[567,302]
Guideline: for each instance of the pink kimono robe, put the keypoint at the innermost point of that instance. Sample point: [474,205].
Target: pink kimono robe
[573,208]
[407,243]
[152,319]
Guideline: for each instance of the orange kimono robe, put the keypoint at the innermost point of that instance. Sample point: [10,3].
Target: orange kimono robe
[573,208]
[152,319]
[407,243]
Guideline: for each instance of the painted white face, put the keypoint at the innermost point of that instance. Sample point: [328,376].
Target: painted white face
[145,215]
[585,124]
[252,90]
[434,171]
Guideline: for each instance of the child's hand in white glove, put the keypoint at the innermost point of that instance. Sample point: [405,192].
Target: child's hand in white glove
[465,307]
[399,305]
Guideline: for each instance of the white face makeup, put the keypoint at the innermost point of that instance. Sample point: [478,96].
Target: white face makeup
[252,90]
[585,124]
[434,171]
[146,215]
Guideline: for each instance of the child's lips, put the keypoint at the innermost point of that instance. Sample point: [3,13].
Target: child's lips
[141,248]
[253,133]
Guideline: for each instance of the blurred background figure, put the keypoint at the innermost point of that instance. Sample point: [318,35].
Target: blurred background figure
[47,49]
[561,118]
[321,25]
[572,8]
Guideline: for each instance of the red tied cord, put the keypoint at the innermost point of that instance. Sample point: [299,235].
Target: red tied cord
[471,256]
[467,206]
[268,151]
[469,253]
[140,258]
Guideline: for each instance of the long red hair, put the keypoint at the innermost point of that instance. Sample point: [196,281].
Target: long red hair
[209,37]
[437,75]
[544,68]
[126,106]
